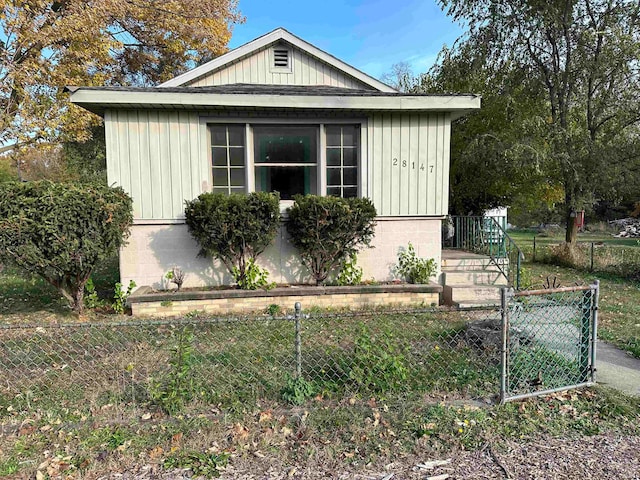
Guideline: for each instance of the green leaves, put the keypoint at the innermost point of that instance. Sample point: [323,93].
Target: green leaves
[62,231]
[235,228]
[413,268]
[329,230]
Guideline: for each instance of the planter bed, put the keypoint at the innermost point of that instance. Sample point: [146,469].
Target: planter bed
[146,301]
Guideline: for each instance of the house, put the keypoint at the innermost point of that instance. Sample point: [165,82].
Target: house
[276,114]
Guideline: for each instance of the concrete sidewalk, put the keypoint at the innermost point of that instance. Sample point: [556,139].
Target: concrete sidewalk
[617,369]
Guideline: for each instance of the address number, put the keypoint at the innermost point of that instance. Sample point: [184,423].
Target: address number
[405,164]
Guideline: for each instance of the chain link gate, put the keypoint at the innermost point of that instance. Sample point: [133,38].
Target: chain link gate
[549,340]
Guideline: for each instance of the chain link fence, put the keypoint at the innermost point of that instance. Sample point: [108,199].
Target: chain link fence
[549,340]
[192,364]
[590,256]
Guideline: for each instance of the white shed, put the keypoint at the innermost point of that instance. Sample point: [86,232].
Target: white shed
[233,124]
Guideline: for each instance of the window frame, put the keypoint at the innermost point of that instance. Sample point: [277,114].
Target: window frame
[320,122]
[228,167]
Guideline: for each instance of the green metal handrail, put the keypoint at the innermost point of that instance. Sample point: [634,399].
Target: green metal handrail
[486,236]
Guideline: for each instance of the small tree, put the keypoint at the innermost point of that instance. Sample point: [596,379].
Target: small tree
[235,228]
[329,230]
[62,231]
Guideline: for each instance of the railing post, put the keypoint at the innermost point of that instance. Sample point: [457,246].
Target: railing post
[298,314]
[595,300]
[504,320]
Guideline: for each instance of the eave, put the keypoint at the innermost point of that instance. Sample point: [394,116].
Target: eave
[98,101]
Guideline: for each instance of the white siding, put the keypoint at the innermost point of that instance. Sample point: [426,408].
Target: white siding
[257,69]
[408,161]
[155,157]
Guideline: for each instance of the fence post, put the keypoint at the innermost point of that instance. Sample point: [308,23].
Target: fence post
[298,314]
[595,300]
[504,318]
[585,337]
[534,248]
[591,269]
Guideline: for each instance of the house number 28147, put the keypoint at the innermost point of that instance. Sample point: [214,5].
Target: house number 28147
[406,164]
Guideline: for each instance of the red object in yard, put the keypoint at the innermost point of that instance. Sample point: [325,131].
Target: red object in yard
[580,220]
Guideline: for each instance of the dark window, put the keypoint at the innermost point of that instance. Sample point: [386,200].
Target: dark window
[286,160]
[227,158]
[342,160]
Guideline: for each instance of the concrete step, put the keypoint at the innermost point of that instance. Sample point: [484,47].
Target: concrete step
[449,264]
[456,294]
[473,277]
[480,304]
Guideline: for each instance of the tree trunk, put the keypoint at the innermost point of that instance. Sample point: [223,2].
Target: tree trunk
[78,300]
[572,229]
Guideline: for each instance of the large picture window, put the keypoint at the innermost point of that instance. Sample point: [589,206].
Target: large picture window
[228,158]
[342,160]
[285,159]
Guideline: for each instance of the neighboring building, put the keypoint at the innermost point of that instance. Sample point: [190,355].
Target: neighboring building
[275,114]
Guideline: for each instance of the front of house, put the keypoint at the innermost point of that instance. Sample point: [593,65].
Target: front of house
[276,114]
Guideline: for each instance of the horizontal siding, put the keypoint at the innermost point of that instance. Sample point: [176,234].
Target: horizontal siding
[409,163]
[256,69]
[155,157]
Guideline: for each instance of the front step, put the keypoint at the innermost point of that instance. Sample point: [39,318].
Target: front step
[459,295]
[457,264]
[473,277]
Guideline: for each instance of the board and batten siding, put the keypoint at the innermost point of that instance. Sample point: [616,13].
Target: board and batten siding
[257,69]
[408,171]
[157,157]
[161,159]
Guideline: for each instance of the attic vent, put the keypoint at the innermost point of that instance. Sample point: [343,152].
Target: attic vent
[281,58]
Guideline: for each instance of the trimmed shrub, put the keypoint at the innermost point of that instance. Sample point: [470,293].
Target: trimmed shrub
[62,231]
[329,230]
[235,228]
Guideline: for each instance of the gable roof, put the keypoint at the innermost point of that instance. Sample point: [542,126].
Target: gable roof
[277,35]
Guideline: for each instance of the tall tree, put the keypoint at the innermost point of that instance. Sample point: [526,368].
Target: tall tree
[583,53]
[48,44]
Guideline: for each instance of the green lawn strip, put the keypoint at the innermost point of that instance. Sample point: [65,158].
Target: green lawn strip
[619,313]
[29,296]
[357,430]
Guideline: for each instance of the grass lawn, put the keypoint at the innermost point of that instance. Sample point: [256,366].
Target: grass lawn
[525,238]
[619,314]
[334,432]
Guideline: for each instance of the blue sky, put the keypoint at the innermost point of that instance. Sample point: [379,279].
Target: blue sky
[371,35]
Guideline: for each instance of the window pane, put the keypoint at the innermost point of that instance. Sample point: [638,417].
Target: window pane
[333,136]
[289,181]
[333,176]
[350,176]
[333,157]
[224,190]
[220,177]
[236,135]
[219,155]
[334,191]
[285,144]
[350,192]
[219,135]
[349,157]
[237,177]
[349,136]
[236,156]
